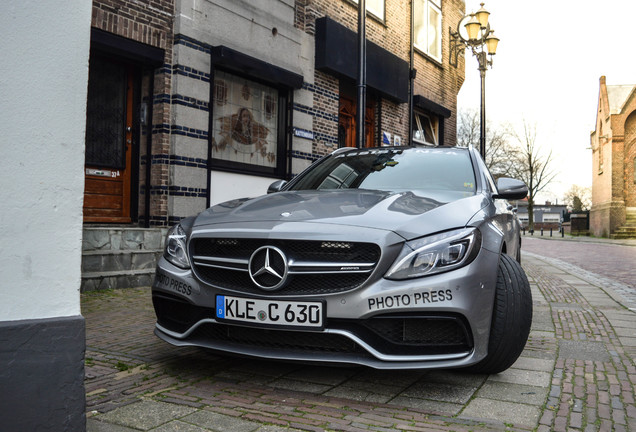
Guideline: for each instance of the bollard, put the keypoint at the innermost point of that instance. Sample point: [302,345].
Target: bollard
[550,232]
[524,230]
[541,231]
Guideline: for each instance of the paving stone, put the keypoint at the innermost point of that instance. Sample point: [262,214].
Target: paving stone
[220,423]
[521,376]
[525,394]
[179,426]
[583,350]
[146,414]
[534,364]
[440,392]
[356,394]
[93,425]
[505,412]
[432,406]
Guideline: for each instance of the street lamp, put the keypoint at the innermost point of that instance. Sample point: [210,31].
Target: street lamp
[473,31]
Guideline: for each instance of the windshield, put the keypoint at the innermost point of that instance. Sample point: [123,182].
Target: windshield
[419,169]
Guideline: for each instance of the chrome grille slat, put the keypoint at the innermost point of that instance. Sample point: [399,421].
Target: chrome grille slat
[315,267]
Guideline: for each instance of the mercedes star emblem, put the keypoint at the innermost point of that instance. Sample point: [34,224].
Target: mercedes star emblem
[268,268]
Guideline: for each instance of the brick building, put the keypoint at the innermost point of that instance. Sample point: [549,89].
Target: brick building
[229,96]
[128,124]
[614,161]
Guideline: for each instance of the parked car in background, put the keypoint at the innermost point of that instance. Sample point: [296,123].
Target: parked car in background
[393,258]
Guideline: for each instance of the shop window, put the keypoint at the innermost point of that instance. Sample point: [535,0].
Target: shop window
[427,16]
[425,129]
[246,125]
[376,7]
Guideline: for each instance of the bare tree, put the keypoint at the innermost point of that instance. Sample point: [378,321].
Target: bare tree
[498,150]
[578,198]
[532,166]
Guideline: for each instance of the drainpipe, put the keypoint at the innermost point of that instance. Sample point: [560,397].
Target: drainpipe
[362,74]
[411,77]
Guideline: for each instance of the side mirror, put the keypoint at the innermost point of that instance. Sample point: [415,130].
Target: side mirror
[276,186]
[511,189]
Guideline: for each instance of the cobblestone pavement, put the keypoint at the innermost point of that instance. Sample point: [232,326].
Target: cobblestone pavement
[613,260]
[576,374]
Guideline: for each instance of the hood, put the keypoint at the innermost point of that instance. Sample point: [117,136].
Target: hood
[406,213]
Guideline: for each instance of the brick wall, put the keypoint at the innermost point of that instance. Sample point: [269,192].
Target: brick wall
[326,122]
[630,160]
[437,81]
[151,23]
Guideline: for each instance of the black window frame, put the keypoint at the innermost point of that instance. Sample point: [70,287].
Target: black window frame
[283,99]
[258,71]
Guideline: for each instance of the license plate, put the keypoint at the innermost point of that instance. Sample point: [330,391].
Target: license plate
[270,312]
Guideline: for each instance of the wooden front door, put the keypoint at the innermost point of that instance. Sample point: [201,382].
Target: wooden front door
[347,123]
[109,125]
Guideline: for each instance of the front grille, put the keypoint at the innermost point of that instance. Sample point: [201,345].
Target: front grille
[316,267]
[323,251]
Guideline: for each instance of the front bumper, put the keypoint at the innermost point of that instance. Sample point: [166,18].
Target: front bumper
[439,321]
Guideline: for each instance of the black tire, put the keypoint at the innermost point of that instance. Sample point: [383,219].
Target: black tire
[511,318]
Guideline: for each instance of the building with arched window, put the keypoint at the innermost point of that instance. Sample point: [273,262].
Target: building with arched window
[613,144]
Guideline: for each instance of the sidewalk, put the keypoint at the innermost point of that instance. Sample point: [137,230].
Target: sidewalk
[576,374]
[583,239]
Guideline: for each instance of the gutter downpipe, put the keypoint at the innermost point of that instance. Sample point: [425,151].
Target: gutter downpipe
[362,74]
[411,77]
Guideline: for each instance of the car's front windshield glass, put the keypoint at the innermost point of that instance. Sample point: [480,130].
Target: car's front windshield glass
[420,169]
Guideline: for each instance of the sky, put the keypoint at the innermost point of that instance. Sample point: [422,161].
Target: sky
[550,58]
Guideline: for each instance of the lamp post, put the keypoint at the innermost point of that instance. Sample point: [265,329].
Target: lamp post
[474,32]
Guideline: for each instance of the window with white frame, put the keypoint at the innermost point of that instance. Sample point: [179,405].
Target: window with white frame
[425,129]
[376,7]
[427,18]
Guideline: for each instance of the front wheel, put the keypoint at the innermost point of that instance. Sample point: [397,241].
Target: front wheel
[511,318]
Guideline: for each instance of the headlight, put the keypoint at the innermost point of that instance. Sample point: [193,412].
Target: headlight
[436,254]
[175,251]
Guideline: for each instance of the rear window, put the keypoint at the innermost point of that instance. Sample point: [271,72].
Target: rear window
[393,170]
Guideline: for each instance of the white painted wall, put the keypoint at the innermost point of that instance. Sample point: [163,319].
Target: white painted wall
[228,186]
[43,81]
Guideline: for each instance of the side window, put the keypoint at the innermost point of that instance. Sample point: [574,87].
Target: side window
[427,16]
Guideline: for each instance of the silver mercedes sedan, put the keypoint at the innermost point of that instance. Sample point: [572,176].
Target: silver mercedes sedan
[393,258]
